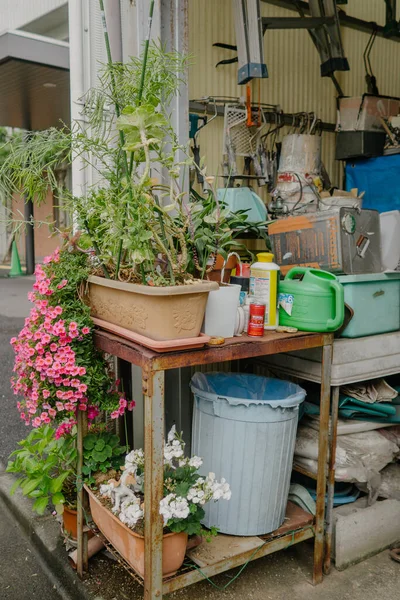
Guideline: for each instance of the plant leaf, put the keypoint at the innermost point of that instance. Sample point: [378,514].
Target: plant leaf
[41,504]
[58,498]
[57,483]
[89,442]
[30,484]
[15,486]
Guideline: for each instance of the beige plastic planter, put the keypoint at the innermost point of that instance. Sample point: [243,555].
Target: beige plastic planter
[131,546]
[160,313]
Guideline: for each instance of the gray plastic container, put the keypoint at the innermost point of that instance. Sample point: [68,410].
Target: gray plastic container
[244,428]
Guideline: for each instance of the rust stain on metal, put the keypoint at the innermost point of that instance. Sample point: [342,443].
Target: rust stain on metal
[331,479]
[153,365]
[322,460]
[233,349]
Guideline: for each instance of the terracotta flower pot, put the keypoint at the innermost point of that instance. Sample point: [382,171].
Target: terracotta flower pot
[70,522]
[160,313]
[215,274]
[131,546]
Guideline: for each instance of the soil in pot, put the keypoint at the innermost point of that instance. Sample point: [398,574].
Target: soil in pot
[131,545]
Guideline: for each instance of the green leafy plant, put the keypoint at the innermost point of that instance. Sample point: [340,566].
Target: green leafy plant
[126,216]
[47,469]
[101,452]
[213,229]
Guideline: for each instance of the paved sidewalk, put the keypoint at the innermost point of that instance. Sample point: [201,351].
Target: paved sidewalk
[24,573]
[14,307]
[21,575]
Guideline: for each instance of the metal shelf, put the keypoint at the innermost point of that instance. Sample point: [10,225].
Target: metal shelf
[298,527]
[153,367]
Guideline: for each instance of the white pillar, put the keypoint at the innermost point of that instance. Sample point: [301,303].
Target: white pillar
[76,74]
[170,27]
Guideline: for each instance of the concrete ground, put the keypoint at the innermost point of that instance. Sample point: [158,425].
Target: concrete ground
[14,307]
[33,560]
[22,575]
[281,576]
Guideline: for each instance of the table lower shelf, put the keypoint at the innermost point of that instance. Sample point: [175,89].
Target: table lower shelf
[226,552]
[304,471]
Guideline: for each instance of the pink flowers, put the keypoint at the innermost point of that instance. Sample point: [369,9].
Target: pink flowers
[50,357]
[65,428]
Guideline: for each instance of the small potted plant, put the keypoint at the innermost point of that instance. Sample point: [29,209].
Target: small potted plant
[212,233]
[46,467]
[46,463]
[117,506]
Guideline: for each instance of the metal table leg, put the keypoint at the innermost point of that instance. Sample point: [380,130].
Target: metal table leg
[153,389]
[322,462]
[331,479]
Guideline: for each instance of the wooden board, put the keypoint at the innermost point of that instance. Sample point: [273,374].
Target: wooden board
[227,546]
[222,547]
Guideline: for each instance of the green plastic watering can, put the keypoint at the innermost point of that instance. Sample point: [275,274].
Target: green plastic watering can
[311,300]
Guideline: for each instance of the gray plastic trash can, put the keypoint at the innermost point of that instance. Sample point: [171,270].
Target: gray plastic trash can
[244,428]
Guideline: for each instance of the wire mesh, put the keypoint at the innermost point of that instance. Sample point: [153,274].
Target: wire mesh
[236,131]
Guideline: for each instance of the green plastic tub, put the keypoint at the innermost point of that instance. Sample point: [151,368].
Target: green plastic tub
[375,299]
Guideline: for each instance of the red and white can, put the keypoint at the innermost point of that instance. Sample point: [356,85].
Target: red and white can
[256,318]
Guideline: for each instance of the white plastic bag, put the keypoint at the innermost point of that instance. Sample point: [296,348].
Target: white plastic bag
[359,456]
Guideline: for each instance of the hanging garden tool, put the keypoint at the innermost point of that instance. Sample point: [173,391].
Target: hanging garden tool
[197,123]
[227,61]
[370,78]
[254,141]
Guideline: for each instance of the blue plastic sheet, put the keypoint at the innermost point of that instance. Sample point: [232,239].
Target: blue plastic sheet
[379,179]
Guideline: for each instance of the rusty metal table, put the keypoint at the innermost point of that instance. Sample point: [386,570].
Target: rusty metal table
[153,366]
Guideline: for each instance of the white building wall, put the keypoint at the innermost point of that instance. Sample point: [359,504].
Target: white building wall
[16,13]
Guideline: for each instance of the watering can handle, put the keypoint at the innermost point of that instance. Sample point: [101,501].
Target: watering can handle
[296,271]
[338,291]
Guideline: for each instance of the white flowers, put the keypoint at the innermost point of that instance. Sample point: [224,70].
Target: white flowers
[186,491]
[195,462]
[135,459]
[131,512]
[172,434]
[173,507]
[208,488]
[173,450]
[221,490]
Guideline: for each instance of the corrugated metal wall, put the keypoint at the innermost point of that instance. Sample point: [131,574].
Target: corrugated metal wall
[294,69]
[295,84]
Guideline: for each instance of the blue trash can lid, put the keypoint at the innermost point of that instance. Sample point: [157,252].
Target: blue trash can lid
[241,388]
